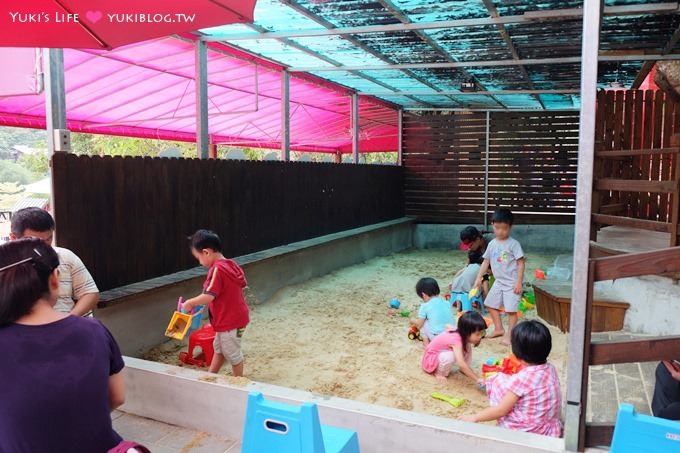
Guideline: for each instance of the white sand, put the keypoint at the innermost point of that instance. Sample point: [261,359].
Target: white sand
[332,335]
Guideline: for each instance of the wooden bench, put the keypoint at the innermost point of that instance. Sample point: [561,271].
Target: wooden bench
[553,303]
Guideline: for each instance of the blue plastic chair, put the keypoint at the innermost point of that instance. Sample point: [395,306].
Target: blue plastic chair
[638,433]
[466,302]
[283,428]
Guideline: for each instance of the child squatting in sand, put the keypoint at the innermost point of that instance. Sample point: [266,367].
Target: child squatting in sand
[455,347]
[435,313]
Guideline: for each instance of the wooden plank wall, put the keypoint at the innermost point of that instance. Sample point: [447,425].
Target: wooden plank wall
[129,218]
[443,156]
[637,119]
[532,166]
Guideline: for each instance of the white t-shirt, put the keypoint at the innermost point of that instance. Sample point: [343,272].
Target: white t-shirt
[75,280]
[503,257]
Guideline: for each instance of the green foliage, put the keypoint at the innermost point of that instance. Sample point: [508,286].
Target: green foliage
[105,145]
[381,158]
[14,173]
[12,136]
[37,163]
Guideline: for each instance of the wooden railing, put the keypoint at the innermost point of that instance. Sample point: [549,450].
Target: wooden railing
[630,351]
[615,214]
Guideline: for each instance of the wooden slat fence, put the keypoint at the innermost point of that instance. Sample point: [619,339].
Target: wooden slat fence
[531,166]
[636,120]
[128,218]
[637,188]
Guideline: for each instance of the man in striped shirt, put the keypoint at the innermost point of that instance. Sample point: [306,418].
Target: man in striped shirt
[78,293]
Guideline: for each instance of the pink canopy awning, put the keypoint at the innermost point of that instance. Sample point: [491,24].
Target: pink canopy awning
[147,90]
[106,24]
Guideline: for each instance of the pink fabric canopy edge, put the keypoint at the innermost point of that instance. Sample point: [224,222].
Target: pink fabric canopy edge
[147,90]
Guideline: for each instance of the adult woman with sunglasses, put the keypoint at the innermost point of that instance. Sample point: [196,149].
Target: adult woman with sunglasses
[60,374]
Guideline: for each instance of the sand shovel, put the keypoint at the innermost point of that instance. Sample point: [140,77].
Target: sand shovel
[455,402]
[179,323]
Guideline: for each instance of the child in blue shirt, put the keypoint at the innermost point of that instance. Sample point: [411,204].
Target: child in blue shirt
[435,313]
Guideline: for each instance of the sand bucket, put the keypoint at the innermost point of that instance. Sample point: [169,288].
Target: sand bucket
[179,323]
[196,318]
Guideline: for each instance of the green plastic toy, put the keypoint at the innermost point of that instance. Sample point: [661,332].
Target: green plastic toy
[455,402]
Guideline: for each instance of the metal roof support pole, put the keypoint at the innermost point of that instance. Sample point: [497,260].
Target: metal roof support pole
[486,171]
[354,117]
[201,82]
[400,136]
[58,135]
[285,116]
[579,337]
[58,138]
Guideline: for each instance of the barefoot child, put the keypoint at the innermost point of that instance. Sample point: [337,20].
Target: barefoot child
[435,313]
[529,400]
[506,258]
[223,293]
[455,347]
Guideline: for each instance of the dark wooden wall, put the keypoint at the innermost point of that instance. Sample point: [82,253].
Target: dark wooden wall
[532,166]
[632,120]
[129,218]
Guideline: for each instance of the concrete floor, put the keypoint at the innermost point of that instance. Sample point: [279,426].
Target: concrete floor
[161,438]
[632,240]
[611,385]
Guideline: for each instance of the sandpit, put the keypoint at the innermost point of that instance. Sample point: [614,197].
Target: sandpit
[333,336]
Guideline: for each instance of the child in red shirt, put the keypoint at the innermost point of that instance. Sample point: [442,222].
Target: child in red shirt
[223,293]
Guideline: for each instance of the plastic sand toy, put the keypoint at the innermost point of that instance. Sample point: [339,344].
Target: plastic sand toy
[181,323]
[414,334]
[455,402]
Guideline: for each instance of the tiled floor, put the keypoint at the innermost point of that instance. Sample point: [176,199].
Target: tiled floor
[610,385]
[161,438]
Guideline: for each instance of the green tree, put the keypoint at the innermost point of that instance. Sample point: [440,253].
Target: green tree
[11,136]
[11,172]
[37,163]
[105,145]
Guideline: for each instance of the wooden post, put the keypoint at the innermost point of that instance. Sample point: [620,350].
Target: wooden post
[586,356]
[675,201]
[212,151]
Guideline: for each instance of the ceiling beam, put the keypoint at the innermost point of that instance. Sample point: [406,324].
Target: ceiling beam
[493,12]
[405,20]
[336,64]
[530,16]
[641,56]
[648,65]
[356,42]
[468,93]
[476,109]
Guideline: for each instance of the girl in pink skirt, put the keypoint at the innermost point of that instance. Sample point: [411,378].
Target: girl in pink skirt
[455,347]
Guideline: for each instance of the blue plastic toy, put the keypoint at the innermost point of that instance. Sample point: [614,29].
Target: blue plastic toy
[283,428]
[638,433]
[394,303]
